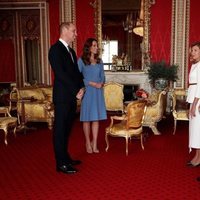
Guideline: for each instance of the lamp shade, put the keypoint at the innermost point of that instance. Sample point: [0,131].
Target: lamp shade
[139,30]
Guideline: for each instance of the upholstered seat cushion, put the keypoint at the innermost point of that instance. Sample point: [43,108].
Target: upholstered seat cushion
[119,131]
[7,120]
[47,91]
[181,115]
[181,103]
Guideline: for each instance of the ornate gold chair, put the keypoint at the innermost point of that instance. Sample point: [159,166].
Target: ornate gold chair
[155,110]
[180,107]
[34,104]
[7,122]
[114,96]
[130,125]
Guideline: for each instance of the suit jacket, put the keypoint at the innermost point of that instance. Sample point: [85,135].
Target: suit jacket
[67,78]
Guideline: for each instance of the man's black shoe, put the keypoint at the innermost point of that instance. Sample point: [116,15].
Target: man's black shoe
[67,169]
[75,162]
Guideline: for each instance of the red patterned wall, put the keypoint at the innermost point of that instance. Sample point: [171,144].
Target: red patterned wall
[160,30]
[54,20]
[194,21]
[85,22]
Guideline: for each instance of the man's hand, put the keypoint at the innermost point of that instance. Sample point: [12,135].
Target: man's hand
[80,93]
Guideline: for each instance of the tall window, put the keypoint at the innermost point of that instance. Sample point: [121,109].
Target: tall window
[110,48]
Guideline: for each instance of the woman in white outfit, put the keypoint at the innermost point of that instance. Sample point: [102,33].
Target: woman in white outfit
[193,99]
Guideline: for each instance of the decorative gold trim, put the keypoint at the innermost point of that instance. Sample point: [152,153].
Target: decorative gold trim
[96,4]
[180,39]
[68,14]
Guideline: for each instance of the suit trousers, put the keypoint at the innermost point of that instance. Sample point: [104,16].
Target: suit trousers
[64,118]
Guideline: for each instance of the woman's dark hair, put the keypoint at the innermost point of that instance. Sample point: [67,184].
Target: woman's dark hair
[196,44]
[192,45]
[86,52]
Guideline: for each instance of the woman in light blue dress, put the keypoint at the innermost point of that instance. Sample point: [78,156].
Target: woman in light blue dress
[93,104]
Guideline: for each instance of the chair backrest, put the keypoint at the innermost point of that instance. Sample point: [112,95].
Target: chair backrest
[114,96]
[179,100]
[135,114]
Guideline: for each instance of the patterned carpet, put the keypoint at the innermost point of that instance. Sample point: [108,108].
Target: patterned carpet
[27,167]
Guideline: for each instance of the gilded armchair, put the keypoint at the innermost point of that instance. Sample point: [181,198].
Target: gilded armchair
[180,107]
[155,110]
[7,122]
[114,96]
[130,124]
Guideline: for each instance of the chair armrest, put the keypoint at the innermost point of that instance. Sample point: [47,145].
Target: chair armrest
[123,117]
[120,118]
[48,105]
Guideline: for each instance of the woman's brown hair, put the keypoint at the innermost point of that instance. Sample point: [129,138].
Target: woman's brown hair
[196,44]
[86,52]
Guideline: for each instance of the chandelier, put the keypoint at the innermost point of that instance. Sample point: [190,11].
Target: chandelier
[128,24]
[139,29]
[132,25]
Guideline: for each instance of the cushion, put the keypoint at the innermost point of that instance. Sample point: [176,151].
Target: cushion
[181,103]
[47,91]
[5,121]
[35,93]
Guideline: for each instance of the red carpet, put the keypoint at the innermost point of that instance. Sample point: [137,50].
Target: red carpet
[27,167]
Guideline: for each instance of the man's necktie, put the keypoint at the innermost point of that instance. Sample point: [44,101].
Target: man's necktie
[68,48]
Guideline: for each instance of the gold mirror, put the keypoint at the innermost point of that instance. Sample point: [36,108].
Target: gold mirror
[144,6]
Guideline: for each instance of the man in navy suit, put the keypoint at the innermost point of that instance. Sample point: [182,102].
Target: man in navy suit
[67,88]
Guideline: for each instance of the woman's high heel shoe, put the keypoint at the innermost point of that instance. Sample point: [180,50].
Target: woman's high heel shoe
[196,165]
[95,150]
[89,149]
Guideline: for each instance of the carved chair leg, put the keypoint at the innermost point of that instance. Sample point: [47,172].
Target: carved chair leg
[155,130]
[14,130]
[126,146]
[141,140]
[50,125]
[6,133]
[175,123]
[107,142]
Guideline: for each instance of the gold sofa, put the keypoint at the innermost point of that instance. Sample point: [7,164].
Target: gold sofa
[155,110]
[34,104]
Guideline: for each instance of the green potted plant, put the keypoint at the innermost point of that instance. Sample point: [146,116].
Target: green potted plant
[160,74]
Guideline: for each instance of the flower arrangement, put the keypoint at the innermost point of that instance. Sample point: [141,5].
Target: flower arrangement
[141,93]
[161,69]
[120,60]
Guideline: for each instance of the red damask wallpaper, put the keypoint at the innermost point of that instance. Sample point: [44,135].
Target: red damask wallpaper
[160,30]
[194,21]
[85,23]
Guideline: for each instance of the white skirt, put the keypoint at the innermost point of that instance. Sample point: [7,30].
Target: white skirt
[194,130]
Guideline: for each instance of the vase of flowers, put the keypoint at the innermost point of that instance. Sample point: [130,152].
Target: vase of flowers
[142,94]
[161,74]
